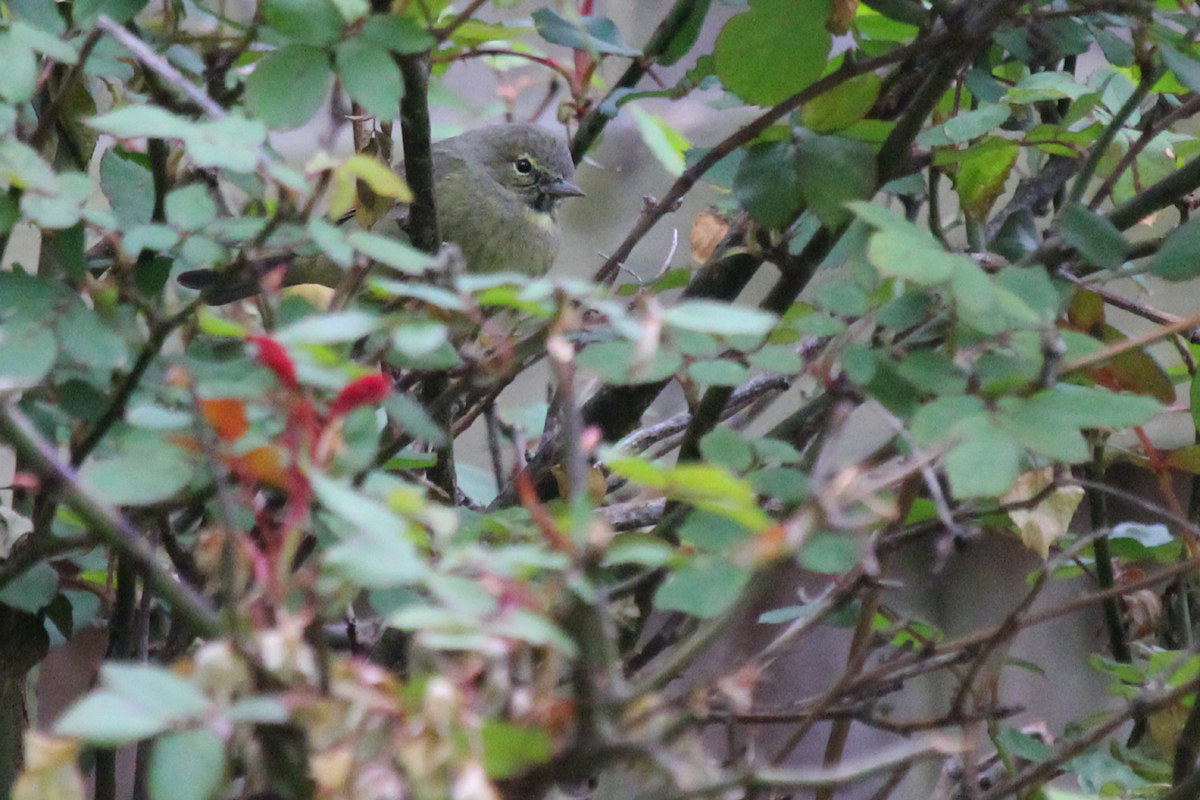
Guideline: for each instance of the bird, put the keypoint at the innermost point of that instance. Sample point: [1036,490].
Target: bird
[496,189]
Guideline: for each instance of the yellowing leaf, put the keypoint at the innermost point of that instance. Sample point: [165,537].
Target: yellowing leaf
[1041,525]
[51,771]
[379,177]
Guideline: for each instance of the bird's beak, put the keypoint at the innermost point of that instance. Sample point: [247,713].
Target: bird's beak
[563,188]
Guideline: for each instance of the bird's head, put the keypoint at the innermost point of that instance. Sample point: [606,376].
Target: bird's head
[530,162]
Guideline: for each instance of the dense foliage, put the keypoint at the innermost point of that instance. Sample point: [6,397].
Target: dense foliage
[305,594]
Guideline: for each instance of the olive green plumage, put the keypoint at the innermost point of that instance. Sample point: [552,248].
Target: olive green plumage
[497,191]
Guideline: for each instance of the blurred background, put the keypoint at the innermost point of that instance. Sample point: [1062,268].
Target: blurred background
[959,591]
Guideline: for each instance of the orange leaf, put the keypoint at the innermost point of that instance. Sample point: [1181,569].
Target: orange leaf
[227,416]
[263,465]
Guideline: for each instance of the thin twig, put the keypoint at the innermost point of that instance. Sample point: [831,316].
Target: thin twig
[49,114]
[1185,109]
[153,61]
[446,31]
[103,520]
[683,184]
[1149,78]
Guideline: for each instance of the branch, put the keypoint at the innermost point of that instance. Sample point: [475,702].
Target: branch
[153,61]
[1157,197]
[675,22]
[1149,78]
[683,184]
[786,781]
[103,520]
[445,32]
[50,113]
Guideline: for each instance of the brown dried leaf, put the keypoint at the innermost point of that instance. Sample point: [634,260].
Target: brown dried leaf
[708,229]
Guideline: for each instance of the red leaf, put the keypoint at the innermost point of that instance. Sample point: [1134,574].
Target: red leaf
[274,357]
[367,390]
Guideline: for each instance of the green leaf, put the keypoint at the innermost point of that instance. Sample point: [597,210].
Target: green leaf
[190,208]
[1179,257]
[397,34]
[1095,407]
[667,144]
[27,352]
[391,252]
[61,208]
[1147,535]
[982,174]
[289,85]
[316,22]
[774,50]
[119,10]
[705,587]
[1094,236]
[831,554]
[526,626]
[89,340]
[686,33]
[44,42]
[509,749]
[1097,770]
[231,143]
[106,719]
[708,530]
[621,362]
[33,589]
[186,765]
[375,562]
[726,447]
[1042,433]
[832,172]
[333,328]
[18,78]
[720,372]
[1024,745]
[144,472]
[721,319]
[782,483]
[638,548]
[261,709]
[157,687]
[985,462]
[136,121]
[966,125]
[767,183]
[1040,86]
[900,249]
[380,552]
[370,77]
[128,185]
[593,34]
[1186,69]
[843,105]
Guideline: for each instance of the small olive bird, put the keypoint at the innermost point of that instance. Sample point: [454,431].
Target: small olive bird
[496,189]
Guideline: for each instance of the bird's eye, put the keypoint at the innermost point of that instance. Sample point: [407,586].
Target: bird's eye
[523,166]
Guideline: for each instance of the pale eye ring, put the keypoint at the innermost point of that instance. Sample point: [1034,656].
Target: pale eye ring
[523,166]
